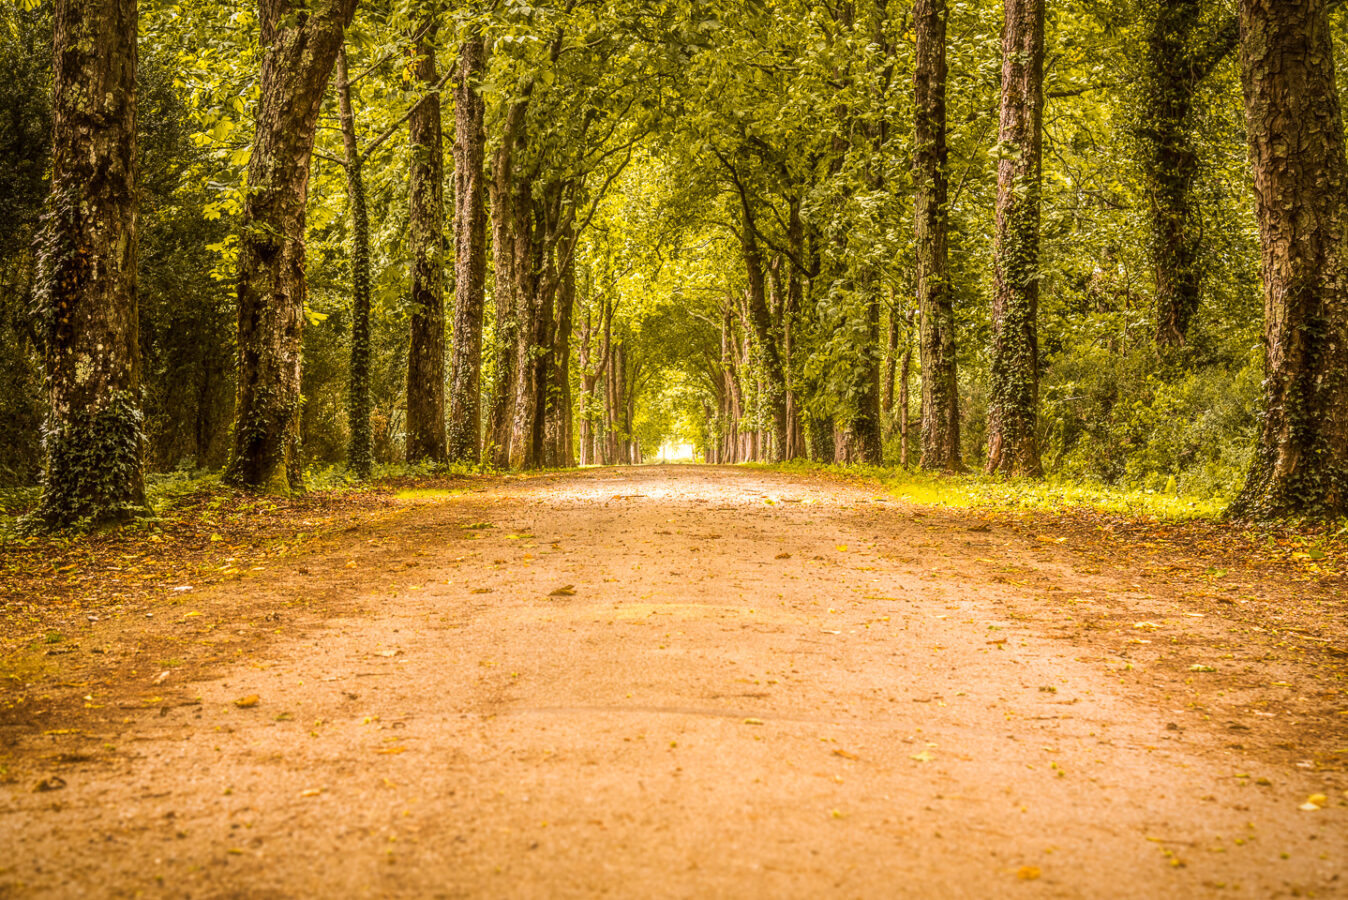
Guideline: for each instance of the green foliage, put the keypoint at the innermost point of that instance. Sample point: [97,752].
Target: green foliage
[94,474]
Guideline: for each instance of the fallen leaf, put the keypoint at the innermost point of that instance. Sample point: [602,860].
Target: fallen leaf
[844,754]
[248,702]
[54,783]
[1314,803]
[783,555]
[1201,668]
[752,721]
[391,751]
[566,590]
[311,792]
[1028,873]
[924,756]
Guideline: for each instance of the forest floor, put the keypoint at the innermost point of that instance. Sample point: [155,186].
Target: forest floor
[670,681]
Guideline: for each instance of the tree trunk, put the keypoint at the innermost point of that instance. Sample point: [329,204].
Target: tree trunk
[1296,137]
[359,456]
[470,242]
[533,286]
[760,318]
[94,438]
[940,388]
[500,412]
[300,48]
[1013,448]
[1169,79]
[426,235]
[557,415]
[904,374]
[891,360]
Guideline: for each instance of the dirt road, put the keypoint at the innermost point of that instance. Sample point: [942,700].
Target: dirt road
[682,682]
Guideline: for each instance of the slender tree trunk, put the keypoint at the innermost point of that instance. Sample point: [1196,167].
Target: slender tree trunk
[587,381]
[94,437]
[940,387]
[557,415]
[904,375]
[891,360]
[1169,79]
[532,283]
[426,221]
[1013,447]
[760,319]
[300,49]
[470,242]
[360,453]
[500,412]
[1296,137]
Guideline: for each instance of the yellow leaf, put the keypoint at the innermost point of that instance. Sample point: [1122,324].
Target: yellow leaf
[1028,873]
[248,702]
[566,590]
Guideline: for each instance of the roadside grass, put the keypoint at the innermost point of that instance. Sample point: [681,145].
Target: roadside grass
[975,491]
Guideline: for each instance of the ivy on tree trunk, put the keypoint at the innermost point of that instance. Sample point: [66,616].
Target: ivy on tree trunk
[87,291]
[1013,447]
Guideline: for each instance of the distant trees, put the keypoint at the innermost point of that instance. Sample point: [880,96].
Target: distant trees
[87,283]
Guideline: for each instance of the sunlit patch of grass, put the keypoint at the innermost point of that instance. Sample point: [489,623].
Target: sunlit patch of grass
[984,491]
[427,495]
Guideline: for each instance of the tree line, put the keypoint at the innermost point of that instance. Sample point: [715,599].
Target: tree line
[760,220]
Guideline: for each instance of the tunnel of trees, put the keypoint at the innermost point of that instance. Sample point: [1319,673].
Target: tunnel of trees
[1100,240]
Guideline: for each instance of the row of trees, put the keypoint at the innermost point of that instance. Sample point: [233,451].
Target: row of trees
[695,203]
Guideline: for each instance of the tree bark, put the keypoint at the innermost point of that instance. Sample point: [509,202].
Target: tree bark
[1171,72]
[359,454]
[426,234]
[500,411]
[300,48]
[470,241]
[557,414]
[94,437]
[760,318]
[940,388]
[1013,447]
[1296,138]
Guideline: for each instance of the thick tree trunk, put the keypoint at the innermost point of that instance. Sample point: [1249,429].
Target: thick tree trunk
[940,388]
[1296,137]
[1171,71]
[470,241]
[359,454]
[94,438]
[300,48]
[426,236]
[1013,448]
